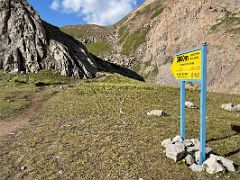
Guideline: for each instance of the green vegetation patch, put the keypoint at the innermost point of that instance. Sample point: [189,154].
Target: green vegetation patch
[235,31]
[137,67]
[227,23]
[86,30]
[16,89]
[13,96]
[123,33]
[12,100]
[101,129]
[134,41]
[152,10]
[99,48]
[100,34]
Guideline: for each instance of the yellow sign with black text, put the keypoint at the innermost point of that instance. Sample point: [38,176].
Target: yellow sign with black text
[187,66]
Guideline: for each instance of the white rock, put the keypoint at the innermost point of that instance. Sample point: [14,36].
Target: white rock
[195,146]
[189,159]
[212,165]
[196,168]
[237,107]
[158,113]
[228,164]
[228,107]
[165,142]
[197,154]
[190,105]
[188,143]
[177,139]
[193,149]
[23,168]
[195,142]
[175,151]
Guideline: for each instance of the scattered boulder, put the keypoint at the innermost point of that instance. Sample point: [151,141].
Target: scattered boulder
[228,107]
[190,105]
[196,168]
[175,151]
[158,113]
[231,107]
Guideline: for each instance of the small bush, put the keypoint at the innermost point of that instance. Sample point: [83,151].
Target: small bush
[23,79]
[100,48]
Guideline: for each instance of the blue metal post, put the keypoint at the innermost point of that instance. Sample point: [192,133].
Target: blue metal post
[182,110]
[203,105]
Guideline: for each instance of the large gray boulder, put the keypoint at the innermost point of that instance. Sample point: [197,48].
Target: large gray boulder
[226,163]
[212,165]
[175,151]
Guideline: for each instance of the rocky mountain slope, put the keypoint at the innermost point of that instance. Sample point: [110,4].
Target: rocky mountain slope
[29,44]
[148,39]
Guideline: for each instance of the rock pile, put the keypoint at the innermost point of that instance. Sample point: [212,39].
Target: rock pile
[189,152]
[231,107]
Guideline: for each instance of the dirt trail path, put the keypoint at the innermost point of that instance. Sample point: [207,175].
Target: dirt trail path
[10,125]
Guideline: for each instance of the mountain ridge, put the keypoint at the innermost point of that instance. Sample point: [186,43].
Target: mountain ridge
[29,44]
[149,37]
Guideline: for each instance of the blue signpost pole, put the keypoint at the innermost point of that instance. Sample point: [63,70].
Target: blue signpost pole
[203,105]
[182,110]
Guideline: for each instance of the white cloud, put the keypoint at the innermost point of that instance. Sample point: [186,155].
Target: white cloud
[101,12]
[55,5]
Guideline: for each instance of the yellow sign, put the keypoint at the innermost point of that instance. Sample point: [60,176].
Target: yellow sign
[187,66]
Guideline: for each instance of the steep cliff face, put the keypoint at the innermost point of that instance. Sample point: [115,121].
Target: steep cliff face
[187,24]
[28,44]
[184,25]
[148,39]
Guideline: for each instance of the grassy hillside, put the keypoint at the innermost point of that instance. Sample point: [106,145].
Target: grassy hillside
[131,33]
[99,34]
[99,129]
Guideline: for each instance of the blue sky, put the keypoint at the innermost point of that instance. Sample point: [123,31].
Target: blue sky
[71,12]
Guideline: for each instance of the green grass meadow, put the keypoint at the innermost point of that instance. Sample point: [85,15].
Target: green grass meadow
[98,129]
